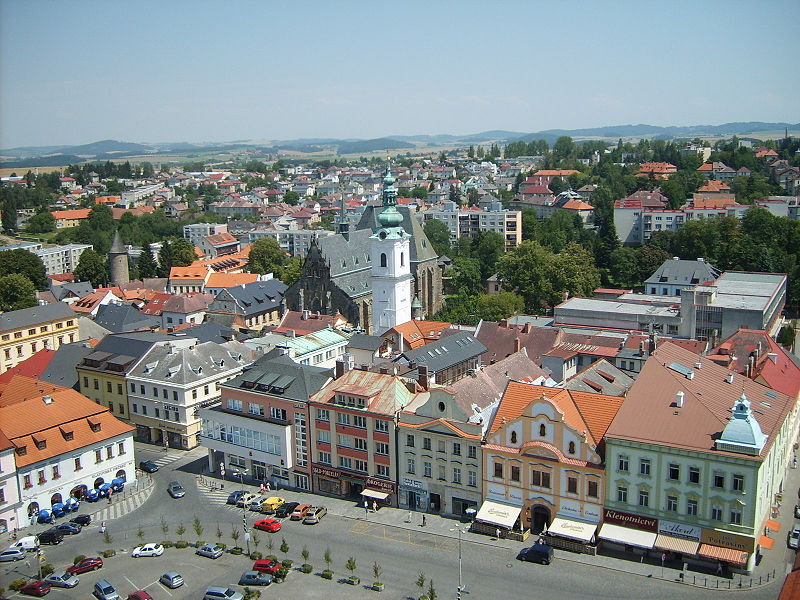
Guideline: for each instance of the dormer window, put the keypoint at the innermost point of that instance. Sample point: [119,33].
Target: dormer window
[22,450]
[571,448]
[67,434]
[542,430]
[95,426]
[513,437]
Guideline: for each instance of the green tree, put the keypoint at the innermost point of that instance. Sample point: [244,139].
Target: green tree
[9,214]
[499,306]
[351,566]
[146,265]
[16,292]
[183,253]
[166,258]
[786,336]
[291,197]
[291,272]
[466,278]
[266,256]
[92,268]
[563,148]
[624,268]
[453,195]
[488,246]
[25,263]
[180,530]
[438,235]
[43,222]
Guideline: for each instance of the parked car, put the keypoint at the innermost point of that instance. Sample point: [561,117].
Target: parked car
[216,592]
[12,554]
[51,536]
[271,504]
[286,510]
[29,543]
[86,565]
[271,525]
[139,595]
[209,551]
[148,466]
[267,565]
[255,503]
[315,513]
[234,496]
[68,528]
[62,579]
[794,538]
[172,580]
[255,578]
[300,512]
[148,550]
[36,588]
[246,499]
[541,553]
[103,590]
[176,490]
[82,520]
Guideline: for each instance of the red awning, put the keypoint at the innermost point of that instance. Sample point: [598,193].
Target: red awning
[772,525]
[766,542]
[728,555]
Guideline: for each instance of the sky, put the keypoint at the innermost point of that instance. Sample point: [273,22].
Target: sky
[191,70]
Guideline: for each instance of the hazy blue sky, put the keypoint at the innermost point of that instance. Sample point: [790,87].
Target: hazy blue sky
[79,71]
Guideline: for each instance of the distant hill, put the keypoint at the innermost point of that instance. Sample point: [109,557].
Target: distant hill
[107,147]
[53,160]
[372,145]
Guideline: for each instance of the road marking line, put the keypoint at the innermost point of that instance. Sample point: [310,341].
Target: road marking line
[166,589]
[136,587]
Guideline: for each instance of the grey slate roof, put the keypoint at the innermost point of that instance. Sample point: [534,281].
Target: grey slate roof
[683,272]
[601,377]
[210,332]
[61,370]
[182,366]
[361,341]
[134,344]
[446,352]
[346,256]
[78,289]
[124,317]
[300,381]
[35,315]
[421,248]
[251,298]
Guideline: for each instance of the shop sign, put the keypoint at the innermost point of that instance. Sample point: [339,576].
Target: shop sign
[630,520]
[726,539]
[679,530]
[325,472]
[414,483]
[592,512]
[381,484]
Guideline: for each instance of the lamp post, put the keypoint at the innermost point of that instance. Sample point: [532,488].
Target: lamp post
[460,585]
[240,473]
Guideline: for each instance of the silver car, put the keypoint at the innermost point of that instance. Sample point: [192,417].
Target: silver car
[11,554]
[209,551]
[176,490]
[315,513]
[62,579]
[172,580]
[793,540]
[216,592]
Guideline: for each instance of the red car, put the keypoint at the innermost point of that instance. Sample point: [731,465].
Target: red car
[86,565]
[139,595]
[268,525]
[267,565]
[36,588]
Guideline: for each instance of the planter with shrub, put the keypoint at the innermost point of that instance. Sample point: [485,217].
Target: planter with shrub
[353,580]
[167,544]
[78,559]
[306,568]
[47,569]
[377,586]
[17,583]
[182,544]
[327,574]
[255,555]
[108,553]
[287,563]
[281,574]
[237,550]
[271,557]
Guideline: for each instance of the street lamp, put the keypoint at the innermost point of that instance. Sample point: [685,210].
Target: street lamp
[240,473]
[460,586]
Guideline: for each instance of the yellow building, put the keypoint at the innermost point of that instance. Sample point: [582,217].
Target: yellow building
[24,332]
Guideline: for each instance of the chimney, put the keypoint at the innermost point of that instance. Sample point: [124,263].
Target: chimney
[565,296]
[503,324]
[641,348]
[653,342]
[422,377]
[679,399]
[526,328]
[690,375]
[676,258]
[729,377]
[517,344]
[698,365]
[751,367]
[340,369]
[384,371]
[304,315]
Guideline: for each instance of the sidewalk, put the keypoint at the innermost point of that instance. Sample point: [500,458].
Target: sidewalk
[448,528]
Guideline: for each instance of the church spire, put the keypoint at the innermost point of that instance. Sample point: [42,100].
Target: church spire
[389,191]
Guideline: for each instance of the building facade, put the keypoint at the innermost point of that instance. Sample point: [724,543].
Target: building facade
[469,223]
[24,332]
[61,259]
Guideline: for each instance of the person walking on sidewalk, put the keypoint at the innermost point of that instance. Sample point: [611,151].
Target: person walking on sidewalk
[374,506]
[409,517]
[424,520]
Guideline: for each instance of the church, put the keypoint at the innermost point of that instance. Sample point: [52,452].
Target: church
[339,275]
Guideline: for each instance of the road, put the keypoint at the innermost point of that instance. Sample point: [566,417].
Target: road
[488,571]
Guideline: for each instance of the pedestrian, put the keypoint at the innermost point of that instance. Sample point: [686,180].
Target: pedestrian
[719,569]
[374,506]
[424,520]
[409,517]
[268,486]
[261,488]
[103,527]
[497,533]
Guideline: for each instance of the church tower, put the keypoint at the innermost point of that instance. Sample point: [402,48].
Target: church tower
[391,265]
[118,261]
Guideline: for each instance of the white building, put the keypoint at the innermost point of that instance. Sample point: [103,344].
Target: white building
[9,489]
[469,223]
[197,231]
[61,259]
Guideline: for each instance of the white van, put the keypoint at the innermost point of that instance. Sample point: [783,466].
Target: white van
[29,543]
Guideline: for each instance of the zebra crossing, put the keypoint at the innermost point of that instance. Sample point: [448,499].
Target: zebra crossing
[167,459]
[123,506]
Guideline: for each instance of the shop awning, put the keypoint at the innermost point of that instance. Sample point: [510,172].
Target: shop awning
[728,555]
[766,542]
[370,493]
[575,530]
[673,544]
[495,513]
[625,535]
[772,525]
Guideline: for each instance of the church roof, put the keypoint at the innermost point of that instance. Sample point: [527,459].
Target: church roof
[421,248]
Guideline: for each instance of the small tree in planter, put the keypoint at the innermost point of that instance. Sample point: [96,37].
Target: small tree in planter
[219,534]
[107,537]
[270,544]
[285,549]
[432,594]
[250,594]
[256,539]
[420,581]
[376,572]
[197,525]
[140,534]
[306,568]
[235,536]
[180,530]
[164,526]
[327,573]
[47,569]
[350,565]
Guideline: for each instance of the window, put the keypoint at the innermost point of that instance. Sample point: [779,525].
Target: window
[738,483]
[572,485]
[135,407]
[716,513]
[513,437]
[644,498]
[255,409]
[122,409]
[592,489]
[540,479]
[498,470]
[441,446]
[360,421]
[27,481]
[381,425]
[426,469]
[622,493]
[426,443]
[277,413]
[360,443]
[674,472]
[78,466]
[622,464]
[325,458]
[109,452]
[164,393]
[98,456]
[457,475]
[442,473]
[158,414]
[194,394]
[205,390]
[672,503]
[323,414]
[108,387]
[175,394]
[514,473]
[121,448]
[345,441]
[361,465]
[381,448]
[343,418]
[383,259]
[472,478]
[141,390]
[472,452]
[324,436]
[644,467]
[571,448]
[144,410]
[411,465]
[345,462]
[234,404]
[719,480]
[694,475]
[383,470]
[542,430]
[155,392]
[736,516]
[691,507]
[119,389]
[456,449]
[56,473]
[410,441]
[96,384]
